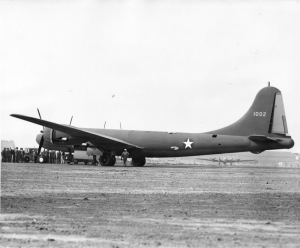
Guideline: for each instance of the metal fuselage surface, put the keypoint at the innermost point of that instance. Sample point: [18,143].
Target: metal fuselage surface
[164,144]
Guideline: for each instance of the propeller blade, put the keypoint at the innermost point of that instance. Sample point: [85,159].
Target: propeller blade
[120,126]
[104,124]
[40,147]
[40,116]
[39,113]
[71,120]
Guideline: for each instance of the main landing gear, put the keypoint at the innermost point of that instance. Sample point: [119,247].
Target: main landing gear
[138,161]
[107,159]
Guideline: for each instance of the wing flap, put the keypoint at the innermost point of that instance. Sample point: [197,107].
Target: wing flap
[77,132]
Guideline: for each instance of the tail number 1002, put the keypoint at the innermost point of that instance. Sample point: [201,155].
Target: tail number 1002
[259,114]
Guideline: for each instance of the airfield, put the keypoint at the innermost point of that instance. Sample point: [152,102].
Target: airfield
[165,205]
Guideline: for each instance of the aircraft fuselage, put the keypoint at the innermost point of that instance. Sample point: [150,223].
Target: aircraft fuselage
[164,144]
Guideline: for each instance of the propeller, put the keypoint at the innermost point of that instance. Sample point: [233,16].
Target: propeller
[41,141]
[40,116]
[40,148]
[71,120]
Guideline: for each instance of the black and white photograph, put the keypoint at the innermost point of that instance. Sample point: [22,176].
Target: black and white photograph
[150,123]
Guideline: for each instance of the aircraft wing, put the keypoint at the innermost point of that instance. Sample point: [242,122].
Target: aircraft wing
[76,132]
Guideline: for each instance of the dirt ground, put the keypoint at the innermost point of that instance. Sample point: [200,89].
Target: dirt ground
[45,205]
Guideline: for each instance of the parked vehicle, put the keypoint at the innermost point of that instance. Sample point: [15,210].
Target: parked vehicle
[29,156]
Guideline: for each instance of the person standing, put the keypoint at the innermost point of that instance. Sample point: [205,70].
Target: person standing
[63,157]
[3,154]
[13,156]
[94,160]
[22,154]
[53,153]
[33,155]
[58,157]
[17,155]
[47,156]
[50,157]
[124,156]
[54,157]
[8,155]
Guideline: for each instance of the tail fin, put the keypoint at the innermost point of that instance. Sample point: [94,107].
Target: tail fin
[265,116]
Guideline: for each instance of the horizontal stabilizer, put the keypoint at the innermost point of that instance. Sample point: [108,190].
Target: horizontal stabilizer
[261,138]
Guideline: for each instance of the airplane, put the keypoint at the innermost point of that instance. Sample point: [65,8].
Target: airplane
[227,160]
[262,127]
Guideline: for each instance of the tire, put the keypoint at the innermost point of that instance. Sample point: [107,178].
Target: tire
[26,159]
[106,160]
[41,160]
[68,158]
[85,163]
[138,161]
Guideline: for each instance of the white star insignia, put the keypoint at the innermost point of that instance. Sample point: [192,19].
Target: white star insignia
[188,143]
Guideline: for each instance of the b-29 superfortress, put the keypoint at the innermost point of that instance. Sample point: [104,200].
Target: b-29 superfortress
[263,127]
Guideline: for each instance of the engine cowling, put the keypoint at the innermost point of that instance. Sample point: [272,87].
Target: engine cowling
[56,137]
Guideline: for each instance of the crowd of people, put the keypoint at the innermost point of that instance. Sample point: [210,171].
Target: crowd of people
[17,155]
[13,155]
[49,156]
[53,157]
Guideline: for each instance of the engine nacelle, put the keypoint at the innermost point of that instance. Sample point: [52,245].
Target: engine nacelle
[56,137]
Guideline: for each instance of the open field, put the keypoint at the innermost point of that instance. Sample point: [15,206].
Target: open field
[155,206]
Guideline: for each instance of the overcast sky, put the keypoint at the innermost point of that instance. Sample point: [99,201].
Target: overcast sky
[189,66]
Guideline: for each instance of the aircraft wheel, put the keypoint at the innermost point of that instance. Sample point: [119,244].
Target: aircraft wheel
[26,159]
[106,160]
[139,161]
[42,159]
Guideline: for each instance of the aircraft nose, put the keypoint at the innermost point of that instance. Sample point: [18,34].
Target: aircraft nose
[38,138]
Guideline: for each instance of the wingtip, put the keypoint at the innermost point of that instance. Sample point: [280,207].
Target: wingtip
[16,115]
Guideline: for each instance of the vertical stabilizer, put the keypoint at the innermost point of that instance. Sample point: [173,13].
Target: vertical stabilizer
[266,115]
